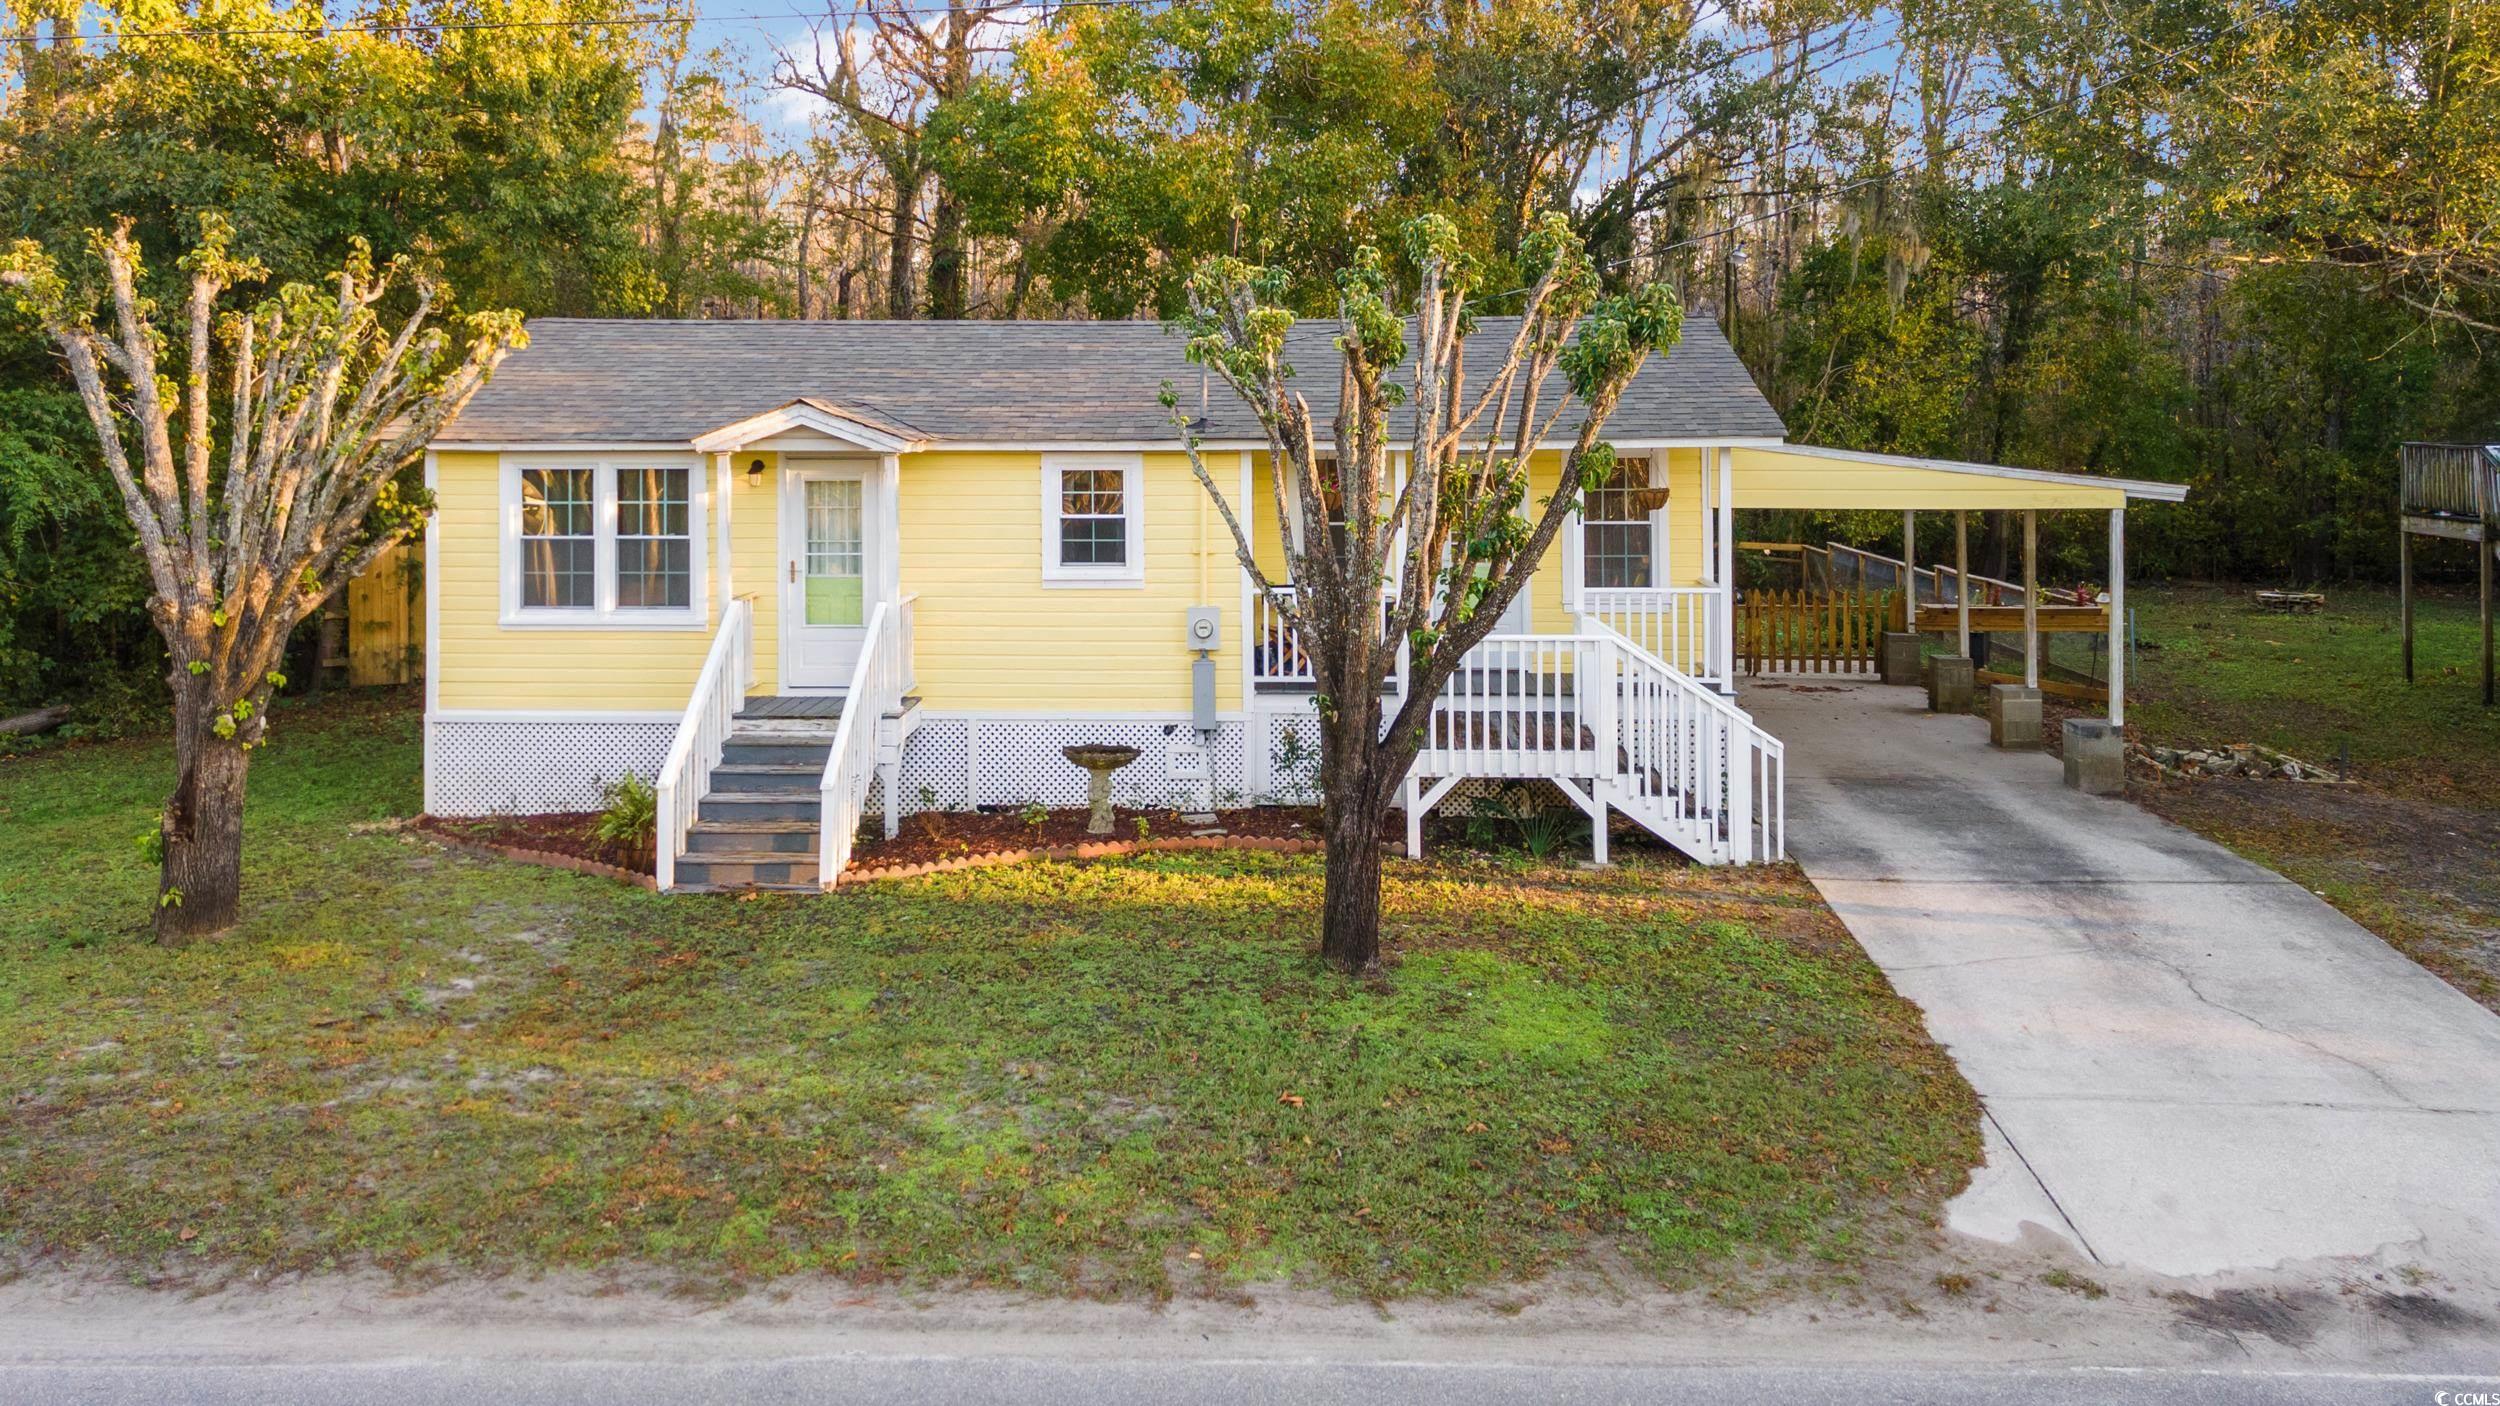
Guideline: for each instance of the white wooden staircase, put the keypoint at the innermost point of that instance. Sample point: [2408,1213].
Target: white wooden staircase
[760,794]
[1616,729]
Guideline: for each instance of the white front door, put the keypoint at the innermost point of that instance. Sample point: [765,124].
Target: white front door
[828,574]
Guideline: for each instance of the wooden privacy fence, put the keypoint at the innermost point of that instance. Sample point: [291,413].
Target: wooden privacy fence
[1814,632]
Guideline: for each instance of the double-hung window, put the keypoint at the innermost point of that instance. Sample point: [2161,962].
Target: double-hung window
[1618,547]
[559,540]
[1092,520]
[591,542]
[654,539]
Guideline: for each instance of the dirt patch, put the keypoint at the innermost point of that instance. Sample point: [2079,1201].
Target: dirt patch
[2285,1316]
[2422,875]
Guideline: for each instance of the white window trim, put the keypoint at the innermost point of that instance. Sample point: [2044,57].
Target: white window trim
[1128,575]
[604,613]
[1661,543]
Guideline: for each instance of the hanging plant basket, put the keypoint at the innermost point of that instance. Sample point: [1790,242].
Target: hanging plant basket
[1645,501]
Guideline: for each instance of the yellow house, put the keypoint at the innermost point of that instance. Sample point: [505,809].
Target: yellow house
[786,568]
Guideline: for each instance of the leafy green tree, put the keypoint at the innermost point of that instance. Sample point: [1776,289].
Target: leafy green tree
[2359,134]
[1454,540]
[1125,145]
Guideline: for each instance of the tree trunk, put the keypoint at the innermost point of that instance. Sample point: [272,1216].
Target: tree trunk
[201,887]
[948,274]
[1350,759]
[898,298]
[1350,907]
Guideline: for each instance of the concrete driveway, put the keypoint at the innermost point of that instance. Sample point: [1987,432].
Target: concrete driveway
[2189,1063]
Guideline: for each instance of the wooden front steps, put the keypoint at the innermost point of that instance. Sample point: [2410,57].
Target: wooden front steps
[760,826]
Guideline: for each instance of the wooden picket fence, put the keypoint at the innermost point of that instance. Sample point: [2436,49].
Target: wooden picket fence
[1814,632]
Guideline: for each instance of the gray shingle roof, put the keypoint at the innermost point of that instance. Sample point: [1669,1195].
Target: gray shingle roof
[581,380]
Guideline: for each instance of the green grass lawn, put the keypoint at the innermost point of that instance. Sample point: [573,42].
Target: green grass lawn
[2413,852]
[2323,686]
[1116,1078]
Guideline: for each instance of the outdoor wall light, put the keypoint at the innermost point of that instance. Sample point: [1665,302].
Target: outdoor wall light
[755,473]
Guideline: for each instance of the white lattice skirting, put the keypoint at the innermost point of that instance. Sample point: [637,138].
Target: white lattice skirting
[951,762]
[532,767]
[960,761]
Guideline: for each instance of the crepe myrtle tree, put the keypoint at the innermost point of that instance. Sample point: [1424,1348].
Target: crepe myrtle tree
[1452,541]
[322,406]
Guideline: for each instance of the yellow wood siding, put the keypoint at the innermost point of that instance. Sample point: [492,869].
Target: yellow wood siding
[755,557]
[1768,478]
[1686,565]
[482,665]
[992,635]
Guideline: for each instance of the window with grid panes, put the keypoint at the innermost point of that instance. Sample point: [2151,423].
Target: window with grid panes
[1093,517]
[1617,544]
[559,539]
[654,539]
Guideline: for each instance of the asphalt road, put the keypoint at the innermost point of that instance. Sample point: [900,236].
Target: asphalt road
[924,1381]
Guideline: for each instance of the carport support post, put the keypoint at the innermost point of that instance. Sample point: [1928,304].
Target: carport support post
[2118,618]
[1909,569]
[1961,580]
[2031,598]
[1727,569]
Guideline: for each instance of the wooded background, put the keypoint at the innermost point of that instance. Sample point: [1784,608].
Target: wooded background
[2246,246]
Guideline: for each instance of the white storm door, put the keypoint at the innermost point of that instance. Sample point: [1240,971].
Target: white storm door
[828,574]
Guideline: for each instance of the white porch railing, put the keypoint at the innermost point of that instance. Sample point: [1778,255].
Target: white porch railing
[719,691]
[1683,625]
[1276,652]
[1648,738]
[878,682]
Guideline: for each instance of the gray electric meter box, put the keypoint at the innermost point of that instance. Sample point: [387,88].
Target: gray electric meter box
[1206,627]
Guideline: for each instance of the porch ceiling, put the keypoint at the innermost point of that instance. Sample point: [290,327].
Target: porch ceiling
[1807,476]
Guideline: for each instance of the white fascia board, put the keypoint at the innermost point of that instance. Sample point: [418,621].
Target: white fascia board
[798,415]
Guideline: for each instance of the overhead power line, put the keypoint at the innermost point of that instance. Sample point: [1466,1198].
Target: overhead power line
[326,29]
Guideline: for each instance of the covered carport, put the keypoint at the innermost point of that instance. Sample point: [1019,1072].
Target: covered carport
[1806,477]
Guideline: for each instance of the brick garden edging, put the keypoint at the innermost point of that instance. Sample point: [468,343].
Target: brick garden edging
[1102,849]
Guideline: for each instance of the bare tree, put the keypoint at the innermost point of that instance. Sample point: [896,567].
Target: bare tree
[1459,515]
[325,406]
[888,64]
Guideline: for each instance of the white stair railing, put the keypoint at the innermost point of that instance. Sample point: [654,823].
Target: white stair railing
[719,691]
[1693,759]
[878,683]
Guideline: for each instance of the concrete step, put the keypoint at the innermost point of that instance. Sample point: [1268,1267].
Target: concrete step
[734,836]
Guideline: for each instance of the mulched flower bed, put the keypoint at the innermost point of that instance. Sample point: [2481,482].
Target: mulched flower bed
[935,841]
[562,838]
[930,842]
